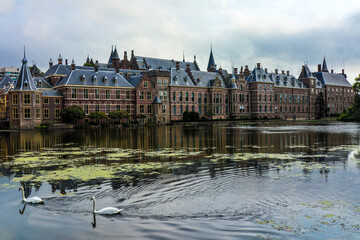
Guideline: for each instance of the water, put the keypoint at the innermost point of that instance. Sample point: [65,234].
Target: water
[266,181]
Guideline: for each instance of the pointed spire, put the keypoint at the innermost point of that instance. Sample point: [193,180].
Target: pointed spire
[211,65]
[324,66]
[183,56]
[115,55]
[87,59]
[24,61]
[194,58]
[111,54]
[24,80]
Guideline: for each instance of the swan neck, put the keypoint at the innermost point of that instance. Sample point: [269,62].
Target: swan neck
[94,205]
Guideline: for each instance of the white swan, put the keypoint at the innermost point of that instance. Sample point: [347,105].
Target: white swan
[34,200]
[105,211]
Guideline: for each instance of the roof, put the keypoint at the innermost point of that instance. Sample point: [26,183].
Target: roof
[5,82]
[115,54]
[134,80]
[58,69]
[324,66]
[157,100]
[211,64]
[259,75]
[35,70]
[204,79]
[111,55]
[41,83]
[24,81]
[333,79]
[305,72]
[180,78]
[92,78]
[164,64]
[51,93]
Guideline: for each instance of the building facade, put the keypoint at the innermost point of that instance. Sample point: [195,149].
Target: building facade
[154,90]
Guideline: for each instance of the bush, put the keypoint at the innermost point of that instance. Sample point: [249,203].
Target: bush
[186,116]
[194,116]
[71,114]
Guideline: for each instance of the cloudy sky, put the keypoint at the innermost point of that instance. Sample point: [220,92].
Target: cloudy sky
[279,34]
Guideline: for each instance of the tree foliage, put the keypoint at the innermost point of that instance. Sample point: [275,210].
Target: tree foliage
[190,116]
[118,115]
[352,114]
[71,114]
[97,115]
[320,106]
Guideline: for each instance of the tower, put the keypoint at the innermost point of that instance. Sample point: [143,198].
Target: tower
[211,65]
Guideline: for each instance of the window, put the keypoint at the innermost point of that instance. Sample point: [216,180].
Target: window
[148,95]
[57,101]
[107,94]
[37,113]
[193,108]
[174,109]
[187,108]
[27,98]
[14,99]
[57,113]
[199,109]
[141,109]
[192,97]
[46,100]
[141,95]
[97,94]
[97,108]
[128,108]
[280,97]
[149,109]
[46,113]
[86,109]
[37,99]
[118,94]
[165,95]
[186,96]
[146,84]
[164,108]
[200,97]
[181,109]
[165,82]
[118,107]
[73,93]
[180,97]
[127,94]
[260,88]
[107,109]
[159,82]
[27,113]
[15,113]
[205,98]
[86,93]
[174,96]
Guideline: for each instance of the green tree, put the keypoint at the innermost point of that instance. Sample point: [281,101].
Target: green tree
[186,116]
[352,114]
[320,106]
[97,116]
[118,115]
[72,114]
[193,116]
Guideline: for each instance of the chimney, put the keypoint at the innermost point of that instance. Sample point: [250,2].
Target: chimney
[66,62]
[332,70]
[266,70]
[319,67]
[235,71]
[96,68]
[50,63]
[343,71]
[283,72]
[177,66]
[258,65]
[276,71]
[125,56]
[194,58]
[117,70]
[96,62]
[188,67]
[220,71]
[132,53]
[59,59]
[288,73]
[73,65]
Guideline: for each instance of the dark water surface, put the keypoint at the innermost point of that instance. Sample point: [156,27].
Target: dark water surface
[266,181]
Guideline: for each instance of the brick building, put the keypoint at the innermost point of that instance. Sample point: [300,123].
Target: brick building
[154,90]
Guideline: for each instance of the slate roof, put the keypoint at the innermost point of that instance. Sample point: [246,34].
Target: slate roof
[127,73]
[92,78]
[324,66]
[180,78]
[58,69]
[164,64]
[333,79]
[306,73]
[259,75]
[111,55]
[24,81]
[35,70]
[206,78]
[41,83]
[283,80]
[115,55]
[211,64]
[6,82]
[134,80]
[157,100]
[51,93]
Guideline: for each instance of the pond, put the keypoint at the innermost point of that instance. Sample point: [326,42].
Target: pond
[263,180]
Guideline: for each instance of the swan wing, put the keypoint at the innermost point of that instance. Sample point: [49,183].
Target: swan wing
[109,211]
[34,200]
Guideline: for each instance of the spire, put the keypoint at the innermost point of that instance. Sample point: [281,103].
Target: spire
[87,59]
[24,80]
[183,56]
[115,54]
[324,66]
[111,54]
[211,65]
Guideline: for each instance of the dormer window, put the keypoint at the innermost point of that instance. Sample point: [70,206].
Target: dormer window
[278,78]
[26,84]
[264,76]
[285,83]
[83,78]
[278,82]
[198,79]
[115,80]
[95,78]
[185,79]
[105,79]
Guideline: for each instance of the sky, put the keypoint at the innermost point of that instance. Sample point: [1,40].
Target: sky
[279,34]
